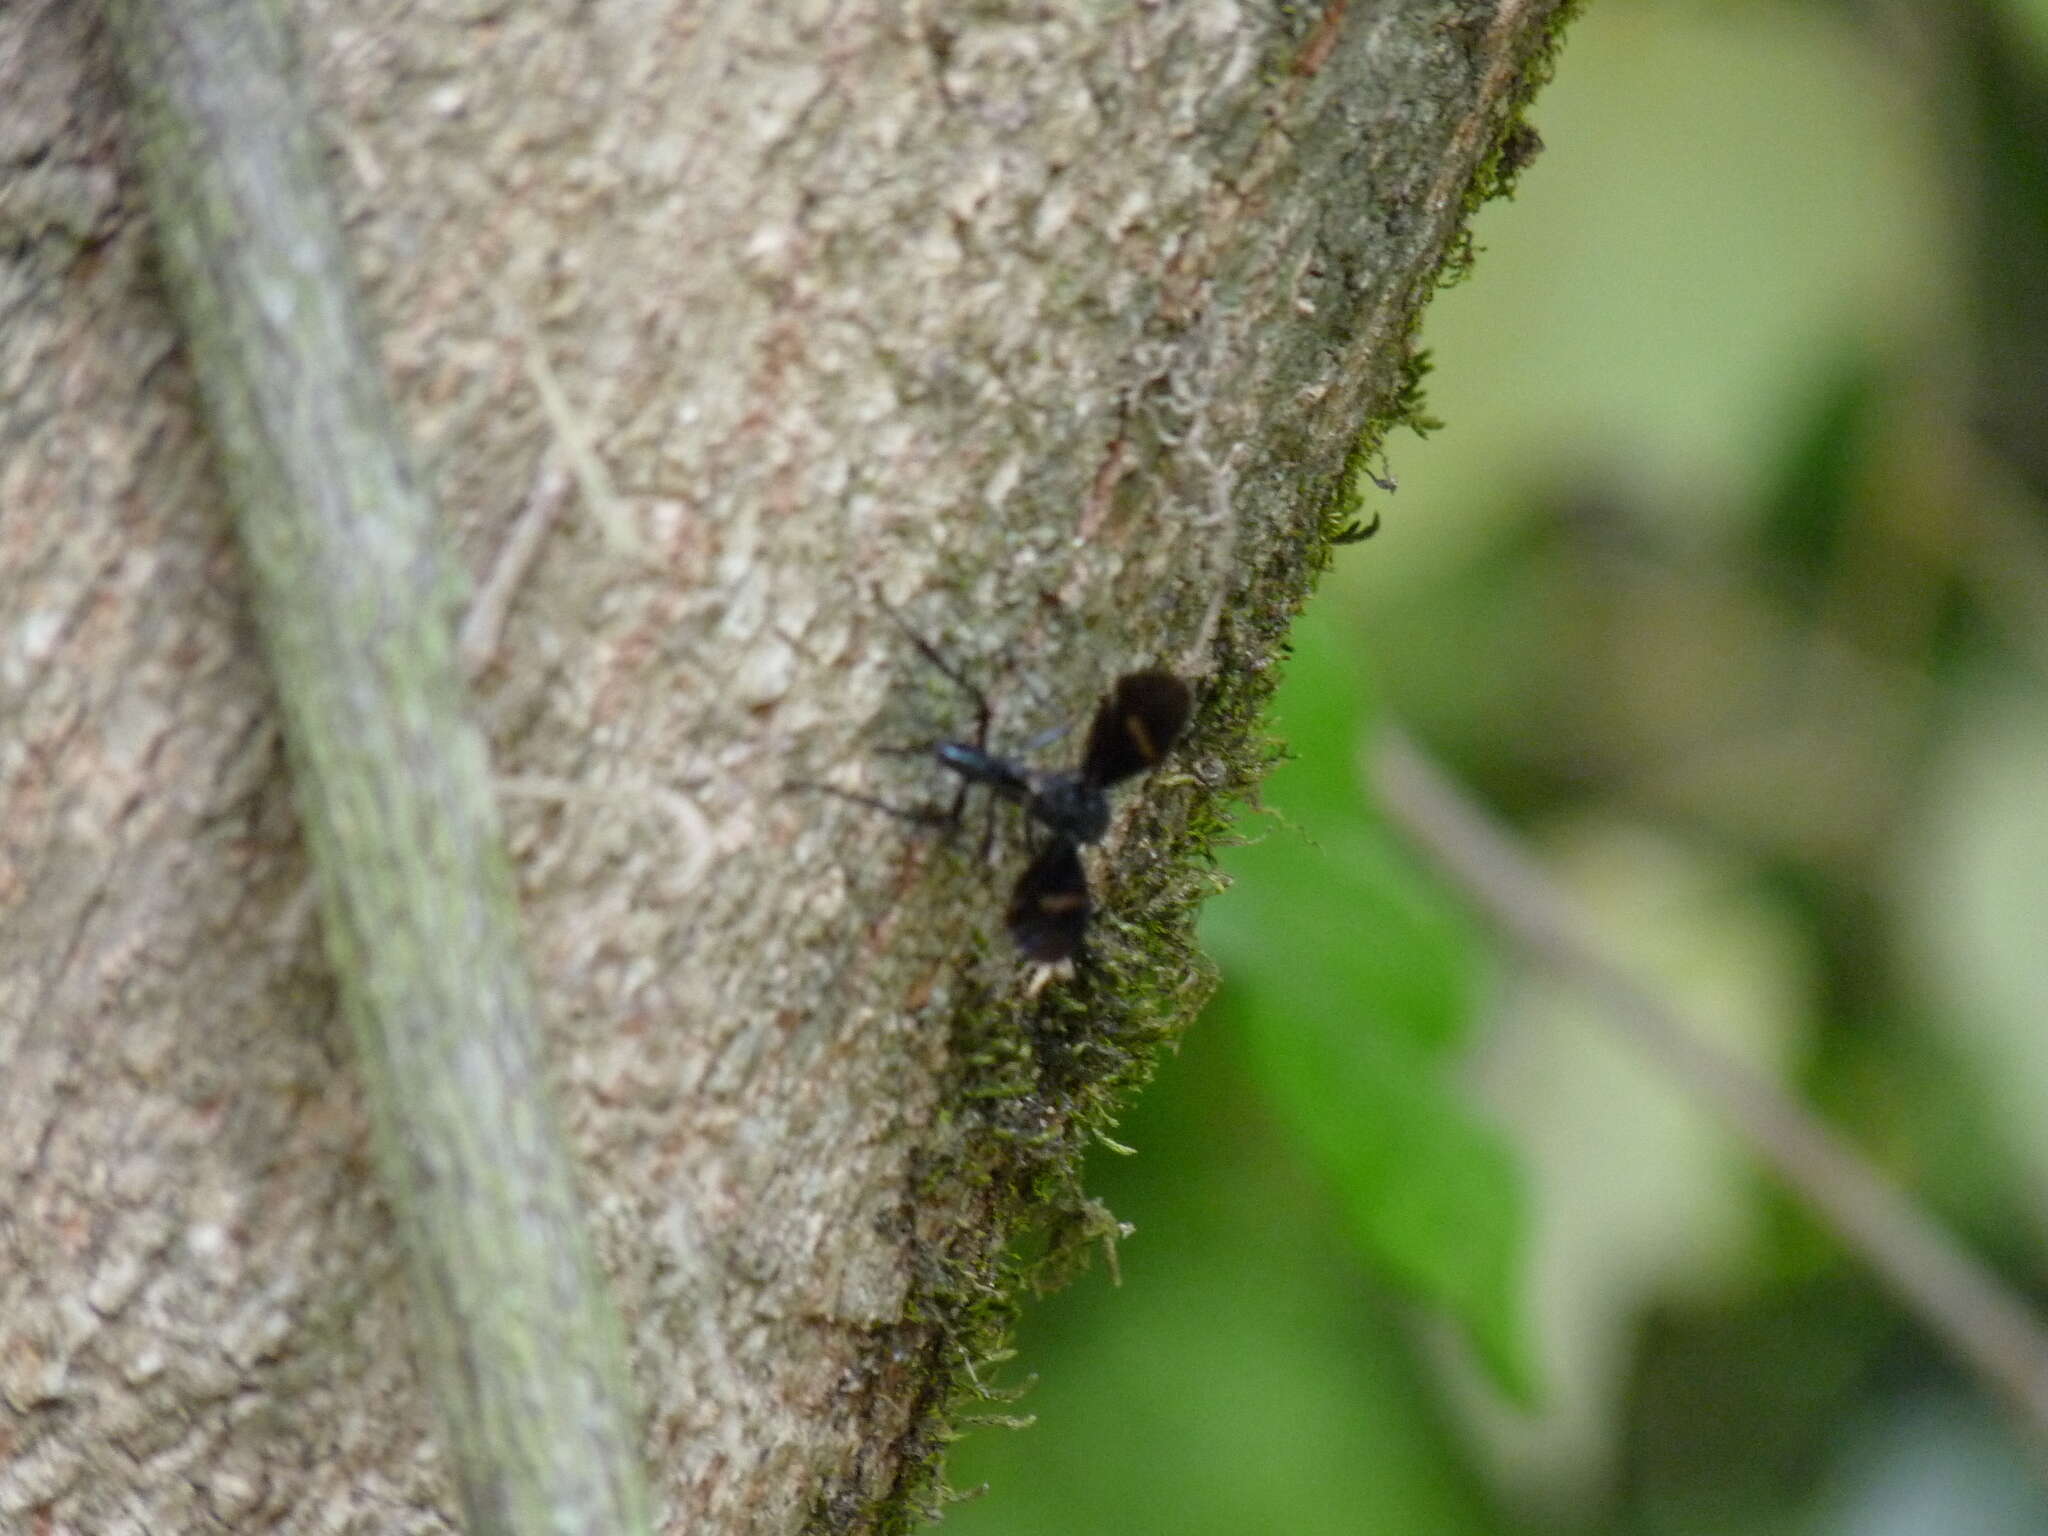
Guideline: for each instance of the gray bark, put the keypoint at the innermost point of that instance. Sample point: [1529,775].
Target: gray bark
[1058,327]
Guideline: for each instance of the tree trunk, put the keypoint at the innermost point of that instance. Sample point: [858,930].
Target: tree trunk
[1058,330]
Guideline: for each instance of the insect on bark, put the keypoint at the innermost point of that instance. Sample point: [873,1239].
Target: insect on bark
[1134,727]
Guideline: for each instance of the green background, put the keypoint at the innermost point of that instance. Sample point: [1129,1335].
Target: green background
[1726,584]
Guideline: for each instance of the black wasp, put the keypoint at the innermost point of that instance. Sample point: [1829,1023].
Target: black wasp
[1134,726]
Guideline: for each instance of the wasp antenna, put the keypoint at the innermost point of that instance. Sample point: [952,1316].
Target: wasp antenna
[983,712]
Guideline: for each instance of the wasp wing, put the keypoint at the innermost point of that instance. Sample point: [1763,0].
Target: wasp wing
[1049,909]
[1136,726]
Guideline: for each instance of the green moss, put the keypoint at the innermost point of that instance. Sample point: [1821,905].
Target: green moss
[1034,1091]
[1035,1087]
[1515,145]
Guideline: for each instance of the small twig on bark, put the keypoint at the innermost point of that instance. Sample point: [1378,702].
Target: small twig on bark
[573,436]
[483,627]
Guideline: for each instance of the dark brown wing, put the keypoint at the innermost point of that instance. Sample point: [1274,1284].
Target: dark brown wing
[1136,725]
[1049,909]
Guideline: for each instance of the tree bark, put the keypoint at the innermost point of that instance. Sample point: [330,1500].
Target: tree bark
[1057,329]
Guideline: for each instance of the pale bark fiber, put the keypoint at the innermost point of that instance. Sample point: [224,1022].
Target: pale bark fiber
[975,305]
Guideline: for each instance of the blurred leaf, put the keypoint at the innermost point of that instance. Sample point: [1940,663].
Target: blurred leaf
[1353,978]
[1974,890]
[1645,1199]
[1351,926]
[1431,1192]
[1321,710]
[1325,905]
[2008,97]
[2027,20]
[1816,477]
[1243,1375]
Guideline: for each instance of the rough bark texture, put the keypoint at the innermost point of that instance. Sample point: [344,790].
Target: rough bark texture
[1056,325]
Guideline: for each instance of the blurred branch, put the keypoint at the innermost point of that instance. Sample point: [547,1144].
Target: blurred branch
[1963,1303]
[356,597]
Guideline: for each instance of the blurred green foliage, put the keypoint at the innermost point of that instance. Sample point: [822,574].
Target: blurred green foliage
[1727,582]
[1353,988]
